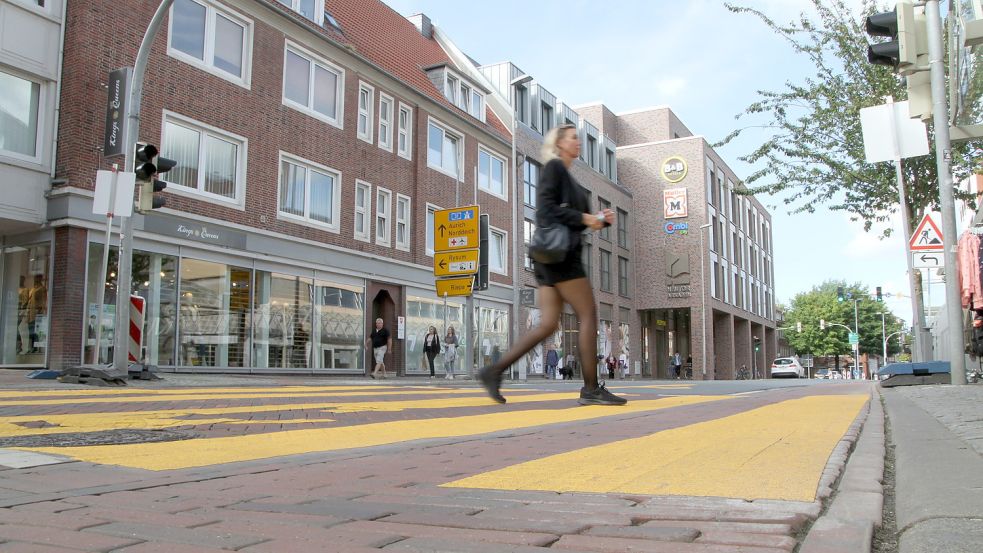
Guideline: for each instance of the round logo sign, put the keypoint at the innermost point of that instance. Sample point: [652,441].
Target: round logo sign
[674,169]
[677,228]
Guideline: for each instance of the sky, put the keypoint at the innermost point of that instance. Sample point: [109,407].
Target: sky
[707,64]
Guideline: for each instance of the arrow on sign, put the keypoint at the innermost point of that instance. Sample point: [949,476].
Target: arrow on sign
[441,228]
[930,258]
[442,264]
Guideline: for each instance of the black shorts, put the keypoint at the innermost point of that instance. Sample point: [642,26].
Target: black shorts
[570,268]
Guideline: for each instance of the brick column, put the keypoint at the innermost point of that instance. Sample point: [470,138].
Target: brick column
[723,346]
[771,351]
[742,343]
[67,313]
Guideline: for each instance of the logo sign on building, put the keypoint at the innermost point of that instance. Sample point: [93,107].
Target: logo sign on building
[674,169]
[527,297]
[674,203]
[119,90]
[455,229]
[927,237]
[677,228]
[678,276]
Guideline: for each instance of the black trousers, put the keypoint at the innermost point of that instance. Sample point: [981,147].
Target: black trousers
[430,357]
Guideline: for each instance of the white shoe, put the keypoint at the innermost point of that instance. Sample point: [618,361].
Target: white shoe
[449,377]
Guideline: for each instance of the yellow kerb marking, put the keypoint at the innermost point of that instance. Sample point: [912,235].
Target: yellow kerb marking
[211,451]
[773,452]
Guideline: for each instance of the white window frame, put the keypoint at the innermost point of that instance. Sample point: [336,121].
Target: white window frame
[405,244]
[386,125]
[365,211]
[241,141]
[407,132]
[39,146]
[429,219]
[462,93]
[306,219]
[339,119]
[492,231]
[460,147]
[207,64]
[505,176]
[383,210]
[318,10]
[367,111]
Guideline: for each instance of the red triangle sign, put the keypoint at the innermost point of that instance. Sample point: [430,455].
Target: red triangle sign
[927,237]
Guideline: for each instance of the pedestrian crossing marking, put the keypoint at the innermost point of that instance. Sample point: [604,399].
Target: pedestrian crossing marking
[210,451]
[778,451]
[202,390]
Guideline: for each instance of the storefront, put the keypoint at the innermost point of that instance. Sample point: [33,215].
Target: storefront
[24,300]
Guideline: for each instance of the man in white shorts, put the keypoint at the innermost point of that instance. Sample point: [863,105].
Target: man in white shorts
[381,342]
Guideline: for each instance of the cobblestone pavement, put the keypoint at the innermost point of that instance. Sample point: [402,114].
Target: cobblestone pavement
[387,467]
[958,408]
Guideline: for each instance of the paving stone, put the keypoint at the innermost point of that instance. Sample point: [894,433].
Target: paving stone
[294,532]
[462,534]
[63,538]
[607,545]
[160,547]
[24,547]
[488,523]
[182,520]
[443,501]
[230,515]
[298,546]
[833,535]
[854,505]
[71,520]
[347,510]
[713,526]
[431,545]
[520,513]
[784,543]
[188,536]
[656,533]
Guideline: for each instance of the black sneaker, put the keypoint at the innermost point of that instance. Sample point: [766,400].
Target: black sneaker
[599,396]
[492,383]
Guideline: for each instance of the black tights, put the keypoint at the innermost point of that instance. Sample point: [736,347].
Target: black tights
[579,294]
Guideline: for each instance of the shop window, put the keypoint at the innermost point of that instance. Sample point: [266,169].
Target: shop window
[214,314]
[24,318]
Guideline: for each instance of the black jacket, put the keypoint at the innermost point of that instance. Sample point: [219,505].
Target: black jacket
[435,347]
[559,199]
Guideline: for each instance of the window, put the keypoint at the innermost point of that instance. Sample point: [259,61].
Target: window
[622,228]
[522,103]
[528,228]
[530,177]
[211,38]
[605,271]
[491,172]
[19,101]
[366,93]
[605,232]
[622,276]
[589,260]
[209,161]
[547,117]
[309,192]
[385,122]
[477,105]
[498,251]
[430,215]
[363,206]
[451,89]
[609,164]
[442,149]
[403,215]
[313,85]
[404,146]
[464,95]
[311,9]
[592,151]
[383,212]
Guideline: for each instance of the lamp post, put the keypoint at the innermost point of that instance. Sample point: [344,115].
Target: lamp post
[518,81]
[703,296]
[856,329]
[884,337]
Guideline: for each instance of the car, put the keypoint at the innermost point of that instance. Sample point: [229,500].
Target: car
[823,374]
[788,367]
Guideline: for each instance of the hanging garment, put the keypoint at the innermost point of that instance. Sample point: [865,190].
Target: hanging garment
[968,261]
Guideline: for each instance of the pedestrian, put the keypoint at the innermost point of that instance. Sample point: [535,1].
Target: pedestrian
[431,347]
[623,365]
[559,365]
[560,201]
[450,352]
[570,366]
[610,363]
[381,342]
[552,360]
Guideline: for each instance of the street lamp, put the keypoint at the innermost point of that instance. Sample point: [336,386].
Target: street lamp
[703,296]
[516,82]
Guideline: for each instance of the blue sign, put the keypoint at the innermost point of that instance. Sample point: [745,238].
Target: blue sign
[677,228]
[461,215]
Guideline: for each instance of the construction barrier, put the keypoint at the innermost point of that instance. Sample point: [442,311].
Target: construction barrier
[137,306]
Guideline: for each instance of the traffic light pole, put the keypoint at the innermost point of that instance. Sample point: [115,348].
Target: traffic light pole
[947,204]
[856,330]
[124,272]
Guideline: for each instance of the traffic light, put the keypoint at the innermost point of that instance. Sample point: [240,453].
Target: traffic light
[481,278]
[839,294]
[907,52]
[757,343]
[822,324]
[147,166]
[880,297]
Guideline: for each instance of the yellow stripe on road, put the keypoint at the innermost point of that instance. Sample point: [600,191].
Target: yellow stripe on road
[774,452]
[181,391]
[211,451]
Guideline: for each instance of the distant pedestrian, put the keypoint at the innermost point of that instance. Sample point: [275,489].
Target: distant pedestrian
[552,360]
[381,342]
[562,205]
[623,365]
[450,352]
[570,366]
[610,362]
[431,347]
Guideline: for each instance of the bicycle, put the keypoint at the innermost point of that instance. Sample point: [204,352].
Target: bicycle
[743,373]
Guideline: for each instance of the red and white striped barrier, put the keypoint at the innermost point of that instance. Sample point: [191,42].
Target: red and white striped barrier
[137,305]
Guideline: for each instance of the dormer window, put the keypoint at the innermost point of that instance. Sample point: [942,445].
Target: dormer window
[311,9]
[462,94]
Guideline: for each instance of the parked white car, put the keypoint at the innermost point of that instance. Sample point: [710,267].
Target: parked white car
[787,367]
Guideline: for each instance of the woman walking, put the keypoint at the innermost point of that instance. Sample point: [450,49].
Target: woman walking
[560,200]
[450,352]
[431,347]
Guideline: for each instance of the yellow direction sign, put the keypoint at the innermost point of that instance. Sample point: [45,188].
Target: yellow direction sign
[464,262]
[455,286]
[455,229]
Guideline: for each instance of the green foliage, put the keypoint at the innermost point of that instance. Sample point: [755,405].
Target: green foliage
[820,303]
[815,155]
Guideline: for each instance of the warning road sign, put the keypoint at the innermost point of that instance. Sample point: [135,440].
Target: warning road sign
[455,229]
[927,237]
[455,263]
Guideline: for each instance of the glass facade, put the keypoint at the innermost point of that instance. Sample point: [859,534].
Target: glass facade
[24,313]
[421,313]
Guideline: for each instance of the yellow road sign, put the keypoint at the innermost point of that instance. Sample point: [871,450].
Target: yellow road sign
[464,262]
[455,229]
[455,286]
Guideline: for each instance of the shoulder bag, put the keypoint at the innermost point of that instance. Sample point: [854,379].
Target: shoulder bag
[550,244]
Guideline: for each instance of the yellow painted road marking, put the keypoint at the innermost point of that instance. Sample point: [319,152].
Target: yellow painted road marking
[196,390]
[211,451]
[774,452]
[169,418]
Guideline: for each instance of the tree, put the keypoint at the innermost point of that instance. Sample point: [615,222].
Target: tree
[821,303]
[815,154]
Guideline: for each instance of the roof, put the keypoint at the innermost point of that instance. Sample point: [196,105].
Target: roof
[392,42]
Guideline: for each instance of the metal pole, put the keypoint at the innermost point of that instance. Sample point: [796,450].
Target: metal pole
[943,160]
[856,329]
[125,269]
[884,338]
[97,354]
[703,297]
[516,241]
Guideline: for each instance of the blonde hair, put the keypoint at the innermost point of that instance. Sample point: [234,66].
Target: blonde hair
[550,149]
